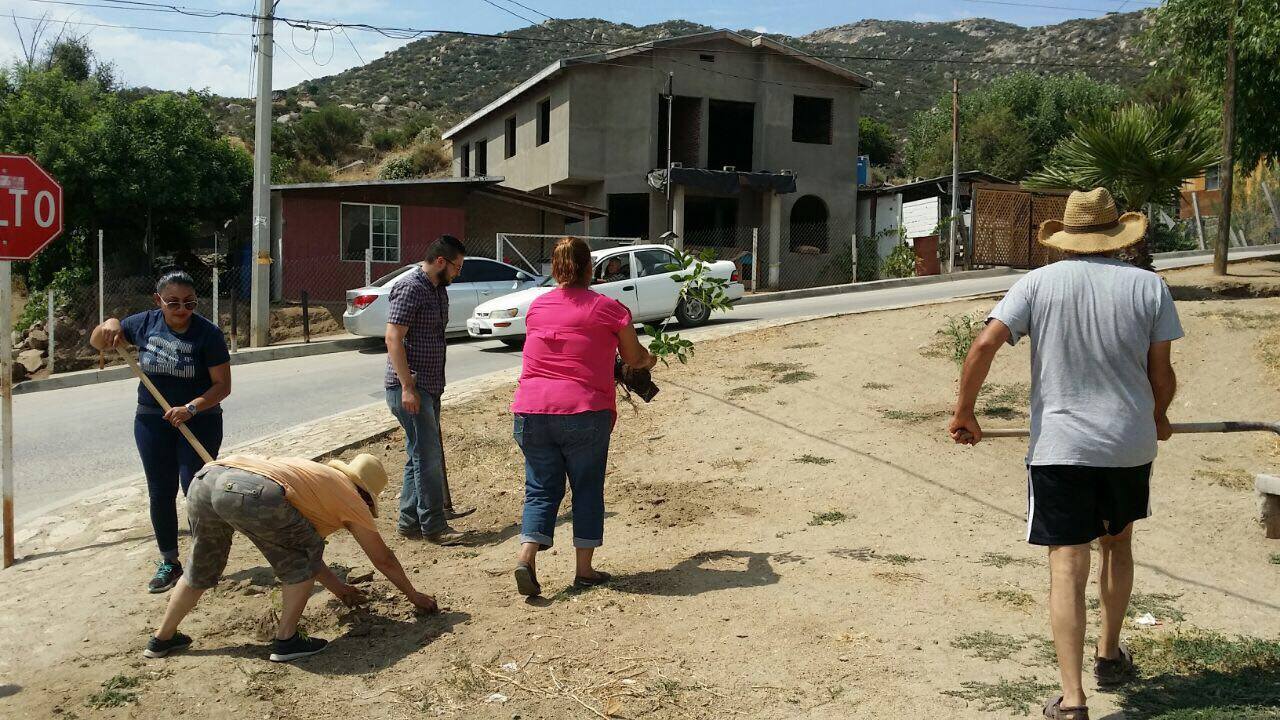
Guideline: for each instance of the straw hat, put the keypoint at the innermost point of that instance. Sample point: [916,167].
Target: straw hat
[366,472]
[1091,224]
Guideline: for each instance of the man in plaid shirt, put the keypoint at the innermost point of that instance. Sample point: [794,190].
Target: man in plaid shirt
[416,323]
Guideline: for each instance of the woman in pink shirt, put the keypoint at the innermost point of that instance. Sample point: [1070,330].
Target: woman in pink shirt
[565,407]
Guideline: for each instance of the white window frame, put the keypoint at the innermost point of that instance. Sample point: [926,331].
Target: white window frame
[384,246]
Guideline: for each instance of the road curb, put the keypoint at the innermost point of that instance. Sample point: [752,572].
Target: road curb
[871,285]
[243,357]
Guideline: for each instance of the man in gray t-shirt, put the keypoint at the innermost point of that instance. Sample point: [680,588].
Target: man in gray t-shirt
[1101,383]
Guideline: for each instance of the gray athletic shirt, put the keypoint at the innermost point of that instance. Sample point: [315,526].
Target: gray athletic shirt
[1092,321]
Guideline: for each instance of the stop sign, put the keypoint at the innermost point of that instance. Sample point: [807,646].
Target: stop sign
[30,208]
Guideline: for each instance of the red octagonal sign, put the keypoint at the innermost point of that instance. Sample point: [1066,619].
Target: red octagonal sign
[30,208]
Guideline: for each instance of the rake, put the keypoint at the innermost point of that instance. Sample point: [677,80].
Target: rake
[164,404]
[1268,486]
[1229,426]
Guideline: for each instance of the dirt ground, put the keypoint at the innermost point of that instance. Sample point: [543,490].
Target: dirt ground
[792,536]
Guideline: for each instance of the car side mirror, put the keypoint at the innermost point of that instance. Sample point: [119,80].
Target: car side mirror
[522,276]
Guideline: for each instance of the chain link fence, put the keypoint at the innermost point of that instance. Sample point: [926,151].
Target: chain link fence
[309,294]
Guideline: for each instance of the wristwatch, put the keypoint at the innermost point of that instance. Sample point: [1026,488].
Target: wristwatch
[191,408]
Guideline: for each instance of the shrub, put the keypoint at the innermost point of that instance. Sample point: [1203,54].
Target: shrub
[328,132]
[901,263]
[398,169]
[384,139]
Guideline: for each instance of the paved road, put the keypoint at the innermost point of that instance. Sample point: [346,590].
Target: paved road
[67,441]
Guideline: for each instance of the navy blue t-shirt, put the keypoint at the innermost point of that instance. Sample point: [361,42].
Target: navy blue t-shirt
[178,363]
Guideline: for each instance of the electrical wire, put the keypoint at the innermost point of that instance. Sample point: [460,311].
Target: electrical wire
[399,33]
[68,21]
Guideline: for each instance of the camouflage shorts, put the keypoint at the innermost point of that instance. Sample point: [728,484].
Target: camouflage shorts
[221,501]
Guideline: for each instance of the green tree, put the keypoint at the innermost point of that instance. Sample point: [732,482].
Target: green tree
[1007,127]
[1190,39]
[876,140]
[326,134]
[1141,153]
[142,169]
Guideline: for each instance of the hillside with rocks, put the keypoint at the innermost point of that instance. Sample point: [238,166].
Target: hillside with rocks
[438,80]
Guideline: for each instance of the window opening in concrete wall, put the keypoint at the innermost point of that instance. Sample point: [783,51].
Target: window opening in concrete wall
[482,157]
[811,120]
[686,138]
[730,134]
[466,160]
[544,122]
[510,137]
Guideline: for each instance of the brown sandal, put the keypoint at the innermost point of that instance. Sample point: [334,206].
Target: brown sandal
[1054,711]
[1114,672]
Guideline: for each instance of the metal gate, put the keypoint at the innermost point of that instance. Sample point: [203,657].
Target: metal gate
[1006,219]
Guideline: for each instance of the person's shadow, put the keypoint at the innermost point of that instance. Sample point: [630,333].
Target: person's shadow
[693,577]
[370,643]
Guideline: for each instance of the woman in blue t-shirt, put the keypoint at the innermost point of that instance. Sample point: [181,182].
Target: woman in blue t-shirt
[186,357]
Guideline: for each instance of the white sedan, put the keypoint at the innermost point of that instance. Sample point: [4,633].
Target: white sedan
[635,275]
[481,279]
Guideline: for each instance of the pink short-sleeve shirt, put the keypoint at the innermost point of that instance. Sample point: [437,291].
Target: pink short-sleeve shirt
[570,344]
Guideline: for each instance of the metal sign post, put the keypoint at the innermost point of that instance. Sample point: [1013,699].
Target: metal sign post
[30,219]
[6,403]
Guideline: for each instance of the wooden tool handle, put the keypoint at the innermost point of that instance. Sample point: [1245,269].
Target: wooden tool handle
[164,404]
[1230,426]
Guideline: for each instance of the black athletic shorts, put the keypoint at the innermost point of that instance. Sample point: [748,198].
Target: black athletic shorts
[1075,504]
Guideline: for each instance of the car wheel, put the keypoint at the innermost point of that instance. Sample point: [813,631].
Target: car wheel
[692,312]
[513,342]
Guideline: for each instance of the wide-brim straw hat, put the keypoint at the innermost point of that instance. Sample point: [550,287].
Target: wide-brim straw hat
[1091,224]
[367,473]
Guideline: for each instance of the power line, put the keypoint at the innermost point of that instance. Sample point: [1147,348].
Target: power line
[353,45]
[401,33]
[68,21]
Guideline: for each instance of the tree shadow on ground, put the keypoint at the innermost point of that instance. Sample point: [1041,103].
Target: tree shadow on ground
[1244,693]
[369,645]
[693,577]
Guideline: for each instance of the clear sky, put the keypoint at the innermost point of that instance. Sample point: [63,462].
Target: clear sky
[220,60]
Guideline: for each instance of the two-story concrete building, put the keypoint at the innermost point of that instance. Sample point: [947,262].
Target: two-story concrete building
[761,135]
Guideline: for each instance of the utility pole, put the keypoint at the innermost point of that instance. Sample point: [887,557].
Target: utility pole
[260,271]
[955,172]
[671,101]
[1228,168]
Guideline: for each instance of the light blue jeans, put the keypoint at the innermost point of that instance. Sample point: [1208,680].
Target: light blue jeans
[422,495]
[559,446]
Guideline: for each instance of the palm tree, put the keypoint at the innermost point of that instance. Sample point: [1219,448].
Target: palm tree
[1141,153]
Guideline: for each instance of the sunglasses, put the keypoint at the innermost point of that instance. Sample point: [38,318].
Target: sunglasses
[175,304]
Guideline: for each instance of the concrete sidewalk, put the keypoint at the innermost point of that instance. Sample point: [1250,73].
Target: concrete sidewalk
[241,357]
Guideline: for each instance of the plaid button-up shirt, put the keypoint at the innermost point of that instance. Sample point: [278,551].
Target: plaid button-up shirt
[424,307]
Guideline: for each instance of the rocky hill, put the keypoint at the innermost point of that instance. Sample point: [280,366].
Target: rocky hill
[439,80]
[453,76]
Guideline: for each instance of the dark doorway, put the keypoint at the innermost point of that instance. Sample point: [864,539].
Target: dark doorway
[686,139]
[710,221]
[730,134]
[629,215]
[808,226]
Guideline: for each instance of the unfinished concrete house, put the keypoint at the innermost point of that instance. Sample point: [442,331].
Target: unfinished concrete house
[761,136]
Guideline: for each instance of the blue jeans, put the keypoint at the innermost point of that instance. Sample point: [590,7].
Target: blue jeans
[556,446]
[422,495]
[169,461]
